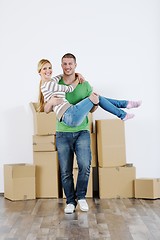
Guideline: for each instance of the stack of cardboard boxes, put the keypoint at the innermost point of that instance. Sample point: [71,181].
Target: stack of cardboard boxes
[45,155]
[116,177]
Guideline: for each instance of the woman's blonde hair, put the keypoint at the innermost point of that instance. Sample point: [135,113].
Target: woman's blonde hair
[40,107]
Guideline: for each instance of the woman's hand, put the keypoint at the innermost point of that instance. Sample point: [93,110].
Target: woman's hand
[80,78]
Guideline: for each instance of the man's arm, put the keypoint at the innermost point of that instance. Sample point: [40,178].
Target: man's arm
[52,102]
[94,97]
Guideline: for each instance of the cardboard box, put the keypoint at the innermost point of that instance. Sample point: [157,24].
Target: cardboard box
[148,188]
[111,143]
[116,182]
[44,123]
[90,183]
[47,177]
[19,181]
[93,150]
[44,143]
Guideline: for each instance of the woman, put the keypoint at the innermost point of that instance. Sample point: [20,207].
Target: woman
[73,115]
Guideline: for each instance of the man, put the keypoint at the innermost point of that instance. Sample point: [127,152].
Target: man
[70,140]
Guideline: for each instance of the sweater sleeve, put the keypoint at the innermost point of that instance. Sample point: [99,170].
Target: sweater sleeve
[54,86]
[57,78]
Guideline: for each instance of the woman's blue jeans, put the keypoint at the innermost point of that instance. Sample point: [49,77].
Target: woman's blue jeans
[67,144]
[113,106]
[75,115]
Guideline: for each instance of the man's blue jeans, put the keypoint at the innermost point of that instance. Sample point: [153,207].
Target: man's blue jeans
[67,144]
[75,115]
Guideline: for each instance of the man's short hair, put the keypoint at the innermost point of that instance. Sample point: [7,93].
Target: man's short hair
[69,55]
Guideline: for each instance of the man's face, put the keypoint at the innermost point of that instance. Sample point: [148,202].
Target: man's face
[68,66]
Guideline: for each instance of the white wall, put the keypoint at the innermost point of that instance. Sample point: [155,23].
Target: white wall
[117,48]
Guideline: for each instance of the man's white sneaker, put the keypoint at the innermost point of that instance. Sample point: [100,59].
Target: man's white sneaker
[83,205]
[70,208]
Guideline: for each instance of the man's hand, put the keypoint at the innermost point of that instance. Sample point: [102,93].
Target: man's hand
[52,102]
[94,109]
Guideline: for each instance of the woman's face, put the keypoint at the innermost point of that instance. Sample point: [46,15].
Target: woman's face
[46,71]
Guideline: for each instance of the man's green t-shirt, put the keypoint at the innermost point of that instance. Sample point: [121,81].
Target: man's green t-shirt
[82,91]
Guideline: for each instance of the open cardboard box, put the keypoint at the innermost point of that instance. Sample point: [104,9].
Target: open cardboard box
[44,123]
